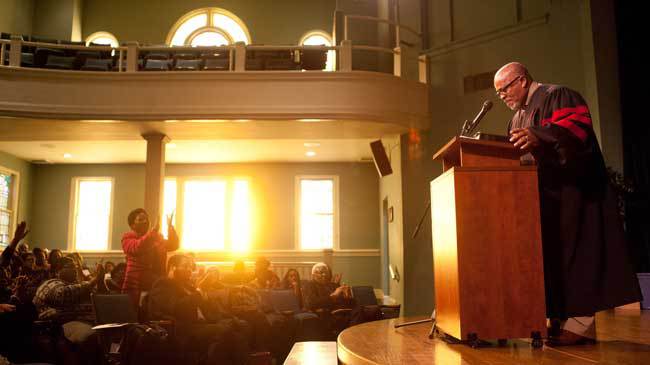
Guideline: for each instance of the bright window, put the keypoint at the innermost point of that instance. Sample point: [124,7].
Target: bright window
[320,38]
[317,208]
[208,27]
[208,39]
[169,205]
[240,217]
[214,214]
[7,205]
[204,215]
[92,214]
[104,38]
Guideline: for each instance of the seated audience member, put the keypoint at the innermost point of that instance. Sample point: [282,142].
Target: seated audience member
[30,279]
[16,317]
[323,293]
[264,277]
[40,259]
[146,250]
[66,300]
[238,276]
[116,281]
[199,325]
[108,267]
[53,257]
[291,281]
[22,248]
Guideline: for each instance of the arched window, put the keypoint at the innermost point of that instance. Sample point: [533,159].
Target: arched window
[208,27]
[320,38]
[102,38]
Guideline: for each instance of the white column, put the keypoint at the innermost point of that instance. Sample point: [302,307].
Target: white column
[154,174]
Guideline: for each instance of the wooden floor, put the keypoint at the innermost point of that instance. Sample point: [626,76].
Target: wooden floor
[623,338]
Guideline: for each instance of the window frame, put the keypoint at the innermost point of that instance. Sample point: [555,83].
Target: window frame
[102,34]
[298,202]
[72,221]
[331,55]
[14,197]
[210,26]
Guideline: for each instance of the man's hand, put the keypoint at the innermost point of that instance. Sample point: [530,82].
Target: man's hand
[20,233]
[524,138]
[7,308]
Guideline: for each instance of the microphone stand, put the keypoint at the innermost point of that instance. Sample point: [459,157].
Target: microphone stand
[432,318]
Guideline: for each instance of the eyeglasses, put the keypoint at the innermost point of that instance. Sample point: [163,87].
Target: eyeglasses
[505,88]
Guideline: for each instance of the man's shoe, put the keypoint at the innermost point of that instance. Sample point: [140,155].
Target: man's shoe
[567,338]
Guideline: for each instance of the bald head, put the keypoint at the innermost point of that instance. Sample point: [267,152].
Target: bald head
[511,70]
[511,83]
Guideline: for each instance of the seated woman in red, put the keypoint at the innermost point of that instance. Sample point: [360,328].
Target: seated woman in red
[146,253]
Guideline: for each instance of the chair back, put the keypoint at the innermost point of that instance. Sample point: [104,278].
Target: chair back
[114,308]
[284,300]
[364,295]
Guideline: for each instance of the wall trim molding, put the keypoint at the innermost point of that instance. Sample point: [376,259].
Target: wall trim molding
[485,37]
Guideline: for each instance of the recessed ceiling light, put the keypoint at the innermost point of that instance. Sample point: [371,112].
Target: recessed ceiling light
[171,145]
[67,155]
[310,153]
[311,144]
[312,120]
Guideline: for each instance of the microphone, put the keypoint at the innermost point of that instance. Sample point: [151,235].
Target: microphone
[487,105]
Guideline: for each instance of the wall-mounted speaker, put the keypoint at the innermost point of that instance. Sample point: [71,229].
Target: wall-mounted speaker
[379,156]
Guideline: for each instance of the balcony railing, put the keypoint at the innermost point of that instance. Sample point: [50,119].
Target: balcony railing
[132,57]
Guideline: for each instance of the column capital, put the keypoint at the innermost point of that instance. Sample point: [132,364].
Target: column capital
[155,136]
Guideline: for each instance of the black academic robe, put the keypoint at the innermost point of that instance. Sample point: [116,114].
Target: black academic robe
[586,262]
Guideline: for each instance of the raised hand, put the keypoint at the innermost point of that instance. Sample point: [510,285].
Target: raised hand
[337,279]
[20,233]
[170,220]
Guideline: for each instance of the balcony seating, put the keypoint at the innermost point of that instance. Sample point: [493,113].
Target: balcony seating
[216,61]
[60,62]
[313,59]
[41,55]
[97,64]
[157,65]
[187,65]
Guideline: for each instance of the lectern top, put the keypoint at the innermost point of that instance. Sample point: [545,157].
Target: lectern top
[470,152]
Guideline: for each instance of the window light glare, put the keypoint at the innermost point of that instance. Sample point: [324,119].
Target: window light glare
[310,153]
[311,144]
[171,145]
[92,215]
[240,224]
[204,215]
[67,155]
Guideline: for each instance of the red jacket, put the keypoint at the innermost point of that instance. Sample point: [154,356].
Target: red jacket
[146,257]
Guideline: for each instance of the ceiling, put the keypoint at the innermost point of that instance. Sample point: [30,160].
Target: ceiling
[192,151]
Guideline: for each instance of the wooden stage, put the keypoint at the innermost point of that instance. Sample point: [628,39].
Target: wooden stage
[623,338]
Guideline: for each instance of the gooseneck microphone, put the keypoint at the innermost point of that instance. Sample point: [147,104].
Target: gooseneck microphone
[468,128]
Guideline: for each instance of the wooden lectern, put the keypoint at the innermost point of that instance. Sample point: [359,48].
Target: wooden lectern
[487,246]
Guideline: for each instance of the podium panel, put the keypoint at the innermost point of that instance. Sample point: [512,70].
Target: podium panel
[487,246]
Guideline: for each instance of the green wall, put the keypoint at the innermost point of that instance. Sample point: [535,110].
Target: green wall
[148,21]
[26,171]
[16,16]
[272,185]
[53,19]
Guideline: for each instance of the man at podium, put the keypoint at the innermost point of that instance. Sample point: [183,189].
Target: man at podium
[586,263]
